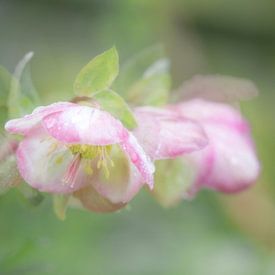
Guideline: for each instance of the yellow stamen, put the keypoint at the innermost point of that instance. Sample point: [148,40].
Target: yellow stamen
[99,153]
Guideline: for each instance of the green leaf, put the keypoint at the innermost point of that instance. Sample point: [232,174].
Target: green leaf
[60,204]
[3,116]
[115,104]
[98,74]
[23,97]
[133,70]
[172,179]
[145,79]
[152,89]
[5,83]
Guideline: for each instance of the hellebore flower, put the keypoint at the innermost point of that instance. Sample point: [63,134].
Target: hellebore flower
[67,147]
[229,163]
[176,138]
[167,136]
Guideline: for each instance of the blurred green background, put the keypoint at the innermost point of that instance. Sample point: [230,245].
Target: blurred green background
[212,234]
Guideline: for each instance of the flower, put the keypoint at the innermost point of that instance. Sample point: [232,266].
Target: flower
[229,164]
[67,147]
[195,144]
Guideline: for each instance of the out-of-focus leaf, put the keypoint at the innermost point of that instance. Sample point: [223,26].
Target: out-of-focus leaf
[172,179]
[3,116]
[32,196]
[133,70]
[9,175]
[145,79]
[60,205]
[115,104]
[98,74]
[5,83]
[23,96]
[218,88]
[152,90]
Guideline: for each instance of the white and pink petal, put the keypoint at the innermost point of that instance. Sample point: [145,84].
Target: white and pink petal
[229,164]
[165,134]
[43,164]
[24,125]
[85,125]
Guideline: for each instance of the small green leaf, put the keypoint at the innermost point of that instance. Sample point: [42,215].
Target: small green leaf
[145,79]
[133,70]
[115,104]
[98,74]
[152,90]
[3,116]
[23,97]
[172,179]
[60,204]
[5,83]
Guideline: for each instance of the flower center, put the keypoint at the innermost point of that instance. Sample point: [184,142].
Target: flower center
[90,156]
[90,151]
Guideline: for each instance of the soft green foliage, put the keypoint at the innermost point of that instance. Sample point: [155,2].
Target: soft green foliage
[98,74]
[5,81]
[152,89]
[60,204]
[172,179]
[23,96]
[145,79]
[134,68]
[115,104]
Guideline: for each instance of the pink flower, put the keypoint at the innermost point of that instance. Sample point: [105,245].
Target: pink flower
[67,147]
[197,144]
[229,163]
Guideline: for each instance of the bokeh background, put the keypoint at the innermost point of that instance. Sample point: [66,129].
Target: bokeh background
[212,234]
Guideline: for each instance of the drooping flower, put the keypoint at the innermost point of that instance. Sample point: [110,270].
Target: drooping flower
[67,147]
[229,164]
[176,137]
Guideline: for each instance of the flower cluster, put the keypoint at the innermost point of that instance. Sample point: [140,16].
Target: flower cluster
[84,150]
